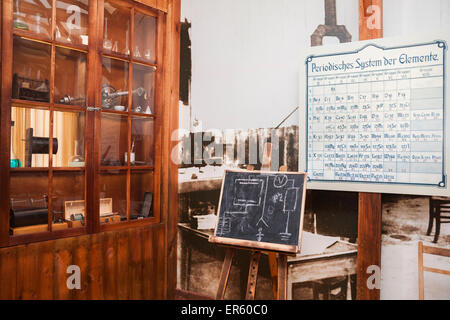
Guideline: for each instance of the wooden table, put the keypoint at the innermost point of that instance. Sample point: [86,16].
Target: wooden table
[337,260]
[203,182]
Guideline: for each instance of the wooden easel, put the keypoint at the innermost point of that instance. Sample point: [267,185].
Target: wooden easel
[277,261]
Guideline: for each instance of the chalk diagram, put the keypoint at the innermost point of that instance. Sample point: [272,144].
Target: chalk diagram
[247,193]
[267,197]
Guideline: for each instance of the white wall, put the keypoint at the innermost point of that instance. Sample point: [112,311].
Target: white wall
[245,57]
[245,53]
[406,17]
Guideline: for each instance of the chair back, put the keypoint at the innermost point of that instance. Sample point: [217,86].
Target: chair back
[443,252]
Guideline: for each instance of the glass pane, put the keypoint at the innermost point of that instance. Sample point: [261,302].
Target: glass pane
[115,84]
[68,198]
[143,89]
[68,129]
[113,196]
[70,77]
[28,202]
[33,16]
[72,21]
[141,195]
[31,70]
[116,34]
[145,37]
[30,137]
[142,141]
[114,140]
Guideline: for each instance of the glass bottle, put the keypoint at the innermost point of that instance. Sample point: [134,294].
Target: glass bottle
[14,161]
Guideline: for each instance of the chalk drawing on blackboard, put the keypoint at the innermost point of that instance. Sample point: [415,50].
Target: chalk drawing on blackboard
[280,181]
[290,204]
[259,235]
[224,225]
[245,195]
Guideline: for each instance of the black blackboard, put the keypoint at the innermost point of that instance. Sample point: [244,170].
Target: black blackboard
[261,210]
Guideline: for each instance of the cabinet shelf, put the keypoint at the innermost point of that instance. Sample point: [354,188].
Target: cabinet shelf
[123,168]
[60,169]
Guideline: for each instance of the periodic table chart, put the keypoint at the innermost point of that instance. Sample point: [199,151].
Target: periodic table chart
[375,117]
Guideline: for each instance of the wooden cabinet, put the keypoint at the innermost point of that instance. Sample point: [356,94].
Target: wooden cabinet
[87,107]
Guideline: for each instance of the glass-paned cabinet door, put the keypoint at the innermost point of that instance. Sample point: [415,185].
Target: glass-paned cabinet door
[48,117]
[129,113]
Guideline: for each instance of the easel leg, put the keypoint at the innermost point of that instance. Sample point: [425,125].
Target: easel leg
[282,277]
[273,266]
[226,267]
[252,276]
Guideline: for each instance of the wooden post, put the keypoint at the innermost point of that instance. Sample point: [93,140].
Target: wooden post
[282,277]
[369,204]
[5,117]
[420,264]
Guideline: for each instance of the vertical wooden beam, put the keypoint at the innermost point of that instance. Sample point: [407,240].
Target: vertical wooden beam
[420,264]
[369,204]
[171,96]
[370,19]
[93,119]
[5,118]
[282,277]
[369,242]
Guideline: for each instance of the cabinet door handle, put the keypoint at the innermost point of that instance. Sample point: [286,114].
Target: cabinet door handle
[93,109]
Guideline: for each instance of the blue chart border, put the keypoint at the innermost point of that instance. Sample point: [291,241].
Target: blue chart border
[441,44]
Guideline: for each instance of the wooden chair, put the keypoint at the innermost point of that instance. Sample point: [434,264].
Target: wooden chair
[438,205]
[434,251]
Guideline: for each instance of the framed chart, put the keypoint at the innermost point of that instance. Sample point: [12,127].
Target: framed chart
[375,118]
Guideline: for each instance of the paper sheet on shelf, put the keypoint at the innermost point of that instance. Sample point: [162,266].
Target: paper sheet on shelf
[315,243]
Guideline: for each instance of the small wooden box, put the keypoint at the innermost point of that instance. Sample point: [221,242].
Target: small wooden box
[73,207]
[110,219]
[77,206]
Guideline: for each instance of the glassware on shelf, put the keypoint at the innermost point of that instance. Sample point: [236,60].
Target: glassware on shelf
[116,28]
[72,21]
[15,161]
[114,90]
[70,76]
[69,129]
[107,43]
[76,160]
[143,77]
[33,16]
[145,42]
[31,70]
[18,22]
